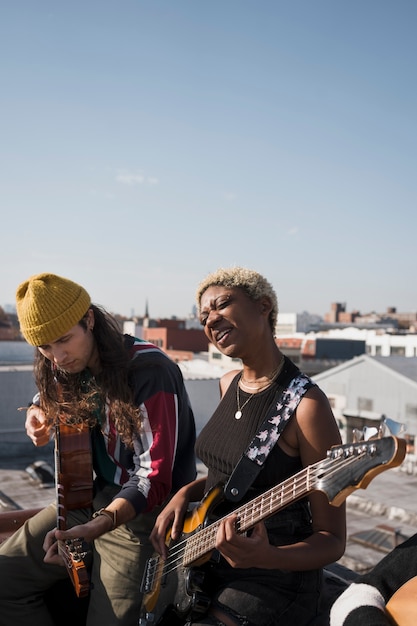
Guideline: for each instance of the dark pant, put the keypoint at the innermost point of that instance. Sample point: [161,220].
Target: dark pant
[257,597]
[119,558]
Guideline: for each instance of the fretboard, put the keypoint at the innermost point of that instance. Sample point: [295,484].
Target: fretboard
[256,510]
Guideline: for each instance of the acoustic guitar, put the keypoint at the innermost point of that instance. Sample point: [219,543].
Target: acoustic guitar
[174,589]
[74,490]
[402,606]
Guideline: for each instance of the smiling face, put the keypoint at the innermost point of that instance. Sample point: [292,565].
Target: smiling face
[75,350]
[233,322]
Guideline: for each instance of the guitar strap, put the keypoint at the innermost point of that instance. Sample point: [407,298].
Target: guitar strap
[252,460]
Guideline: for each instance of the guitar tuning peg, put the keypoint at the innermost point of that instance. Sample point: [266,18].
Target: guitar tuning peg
[364,434]
[357,435]
[391,427]
[370,432]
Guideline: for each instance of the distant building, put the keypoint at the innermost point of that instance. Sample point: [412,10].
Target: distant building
[290,323]
[217,359]
[131,327]
[9,328]
[173,336]
[312,355]
[379,341]
[310,347]
[390,319]
[7,332]
[365,389]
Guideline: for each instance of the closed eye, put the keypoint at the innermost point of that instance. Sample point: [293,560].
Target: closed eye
[218,305]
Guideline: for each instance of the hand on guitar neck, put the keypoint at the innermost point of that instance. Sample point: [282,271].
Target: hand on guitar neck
[74,554]
[57,542]
[71,549]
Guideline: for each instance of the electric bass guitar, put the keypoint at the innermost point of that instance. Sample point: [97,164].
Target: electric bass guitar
[74,490]
[173,588]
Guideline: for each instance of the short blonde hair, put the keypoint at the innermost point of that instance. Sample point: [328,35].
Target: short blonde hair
[254,284]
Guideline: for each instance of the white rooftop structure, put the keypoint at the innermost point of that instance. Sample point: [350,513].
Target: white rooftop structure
[200,369]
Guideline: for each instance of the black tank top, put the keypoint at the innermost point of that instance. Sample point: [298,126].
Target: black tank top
[223,440]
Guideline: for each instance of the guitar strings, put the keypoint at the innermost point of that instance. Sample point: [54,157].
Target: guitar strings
[278,497]
[206,536]
[302,478]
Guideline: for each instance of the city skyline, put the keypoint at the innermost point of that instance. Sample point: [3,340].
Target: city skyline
[11,308]
[145,144]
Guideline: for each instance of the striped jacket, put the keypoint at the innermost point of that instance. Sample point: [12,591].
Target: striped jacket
[162,459]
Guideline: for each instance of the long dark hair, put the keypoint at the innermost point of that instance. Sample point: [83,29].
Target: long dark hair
[74,399]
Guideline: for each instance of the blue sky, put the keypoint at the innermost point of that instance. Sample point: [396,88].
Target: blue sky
[145,143]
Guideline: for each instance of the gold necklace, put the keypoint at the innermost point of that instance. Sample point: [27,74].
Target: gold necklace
[255,389]
[269,380]
[238,413]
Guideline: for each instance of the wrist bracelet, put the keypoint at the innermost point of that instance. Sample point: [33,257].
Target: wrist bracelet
[111,515]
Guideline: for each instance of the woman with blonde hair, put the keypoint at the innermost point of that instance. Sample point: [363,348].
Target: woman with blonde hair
[272,574]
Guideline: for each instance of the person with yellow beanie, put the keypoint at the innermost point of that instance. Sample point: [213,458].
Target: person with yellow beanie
[131,399]
[48,305]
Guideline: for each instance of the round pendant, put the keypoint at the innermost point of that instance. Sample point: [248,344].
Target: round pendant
[238,415]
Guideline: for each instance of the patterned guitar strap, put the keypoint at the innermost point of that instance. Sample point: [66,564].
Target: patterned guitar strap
[253,459]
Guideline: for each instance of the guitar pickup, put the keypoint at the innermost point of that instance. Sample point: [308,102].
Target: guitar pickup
[149,574]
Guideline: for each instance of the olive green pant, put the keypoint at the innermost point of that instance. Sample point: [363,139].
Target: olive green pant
[118,561]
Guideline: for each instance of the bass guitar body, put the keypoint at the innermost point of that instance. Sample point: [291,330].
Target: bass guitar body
[174,589]
[174,592]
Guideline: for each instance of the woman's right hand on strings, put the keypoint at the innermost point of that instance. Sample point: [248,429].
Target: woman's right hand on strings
[36,427]
[173,514]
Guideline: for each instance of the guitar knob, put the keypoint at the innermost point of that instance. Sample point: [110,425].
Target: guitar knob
[195,579]
[201,603]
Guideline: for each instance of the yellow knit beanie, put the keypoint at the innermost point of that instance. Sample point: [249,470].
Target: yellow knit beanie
[48,306]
